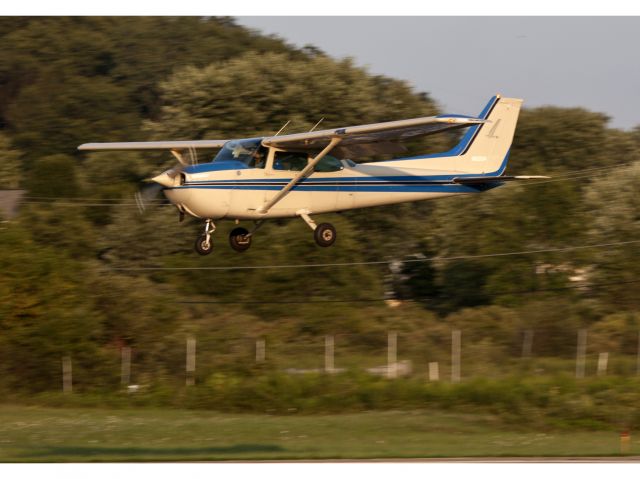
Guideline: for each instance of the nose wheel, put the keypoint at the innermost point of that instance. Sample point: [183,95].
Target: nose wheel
[204,245]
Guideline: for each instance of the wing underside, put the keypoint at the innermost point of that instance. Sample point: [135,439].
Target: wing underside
[376,138]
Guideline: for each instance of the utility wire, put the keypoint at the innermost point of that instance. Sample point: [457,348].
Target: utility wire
[370,263]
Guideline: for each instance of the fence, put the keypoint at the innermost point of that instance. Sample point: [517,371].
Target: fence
[455,359]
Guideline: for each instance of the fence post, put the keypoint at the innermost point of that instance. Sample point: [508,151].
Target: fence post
[67,375]
[434,371]
[392,355]
[456,339]
[328,354]
[125,370]
[261,350]
[581,353]
[191,362]
[527,343]
[603,359]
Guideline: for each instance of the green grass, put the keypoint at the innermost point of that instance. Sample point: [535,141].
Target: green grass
[34,434]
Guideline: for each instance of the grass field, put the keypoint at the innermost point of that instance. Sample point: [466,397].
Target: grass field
[29,434]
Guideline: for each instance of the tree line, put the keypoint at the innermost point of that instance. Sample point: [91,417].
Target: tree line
[69,283]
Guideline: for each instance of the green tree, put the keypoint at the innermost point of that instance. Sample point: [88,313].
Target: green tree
[257,93]
[554,139]
[10,164]
[616,333]
[53,177]
[60,111]
[612,205]
[45,315]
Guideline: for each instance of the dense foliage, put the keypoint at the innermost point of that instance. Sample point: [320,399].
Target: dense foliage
[68,289]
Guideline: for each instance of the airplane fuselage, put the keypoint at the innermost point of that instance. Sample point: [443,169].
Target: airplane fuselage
[205,192]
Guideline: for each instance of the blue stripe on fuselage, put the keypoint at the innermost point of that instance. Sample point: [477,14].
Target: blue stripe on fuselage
[450,188]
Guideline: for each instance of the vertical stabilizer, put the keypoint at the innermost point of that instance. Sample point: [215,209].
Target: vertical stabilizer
[486,149]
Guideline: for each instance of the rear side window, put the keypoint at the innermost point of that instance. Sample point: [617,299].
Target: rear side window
[328,164]
[290,161]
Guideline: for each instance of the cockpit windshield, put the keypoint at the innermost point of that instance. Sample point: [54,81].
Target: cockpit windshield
[247,152]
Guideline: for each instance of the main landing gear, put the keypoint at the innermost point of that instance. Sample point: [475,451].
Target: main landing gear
[240,239]
[324,233]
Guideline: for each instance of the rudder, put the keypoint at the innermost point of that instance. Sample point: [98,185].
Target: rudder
[487,149]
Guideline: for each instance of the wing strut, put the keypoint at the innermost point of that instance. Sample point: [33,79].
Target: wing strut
[179,157]
[283,192]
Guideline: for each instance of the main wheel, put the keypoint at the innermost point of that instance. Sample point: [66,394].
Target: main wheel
[239,240]
[324,234]
[202,246]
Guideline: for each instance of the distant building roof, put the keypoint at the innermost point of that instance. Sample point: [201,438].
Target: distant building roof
[10,202]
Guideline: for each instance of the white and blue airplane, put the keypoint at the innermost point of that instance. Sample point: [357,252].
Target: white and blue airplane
[307,174]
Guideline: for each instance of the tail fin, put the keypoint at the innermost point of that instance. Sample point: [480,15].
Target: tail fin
[485,148]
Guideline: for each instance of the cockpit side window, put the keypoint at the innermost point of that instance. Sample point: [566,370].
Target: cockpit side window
[245,153]
[290,161]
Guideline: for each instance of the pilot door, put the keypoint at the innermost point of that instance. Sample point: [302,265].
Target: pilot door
[283,166]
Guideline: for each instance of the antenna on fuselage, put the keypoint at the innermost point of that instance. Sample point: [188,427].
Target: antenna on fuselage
[316,125]
[283,127]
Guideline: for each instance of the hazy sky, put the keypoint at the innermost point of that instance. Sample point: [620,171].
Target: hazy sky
[592,62]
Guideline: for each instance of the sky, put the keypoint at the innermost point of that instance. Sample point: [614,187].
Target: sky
[590,62]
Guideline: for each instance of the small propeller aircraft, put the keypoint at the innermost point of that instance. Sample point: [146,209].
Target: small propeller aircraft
[306,174]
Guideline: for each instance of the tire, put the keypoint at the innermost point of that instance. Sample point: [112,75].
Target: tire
[201,247]
[238,239]
[325,234]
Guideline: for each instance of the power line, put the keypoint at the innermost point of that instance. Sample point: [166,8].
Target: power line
[595,168]
[415,300]
[372,263]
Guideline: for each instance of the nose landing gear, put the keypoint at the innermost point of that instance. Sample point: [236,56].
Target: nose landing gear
[204,245]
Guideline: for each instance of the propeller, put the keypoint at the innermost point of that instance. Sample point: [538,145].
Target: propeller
[148,193]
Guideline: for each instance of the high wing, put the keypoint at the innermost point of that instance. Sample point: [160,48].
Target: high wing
[176,147]
[375,138]
[153,145]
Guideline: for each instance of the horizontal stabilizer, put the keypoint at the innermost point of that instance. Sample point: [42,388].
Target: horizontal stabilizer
[474,180]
